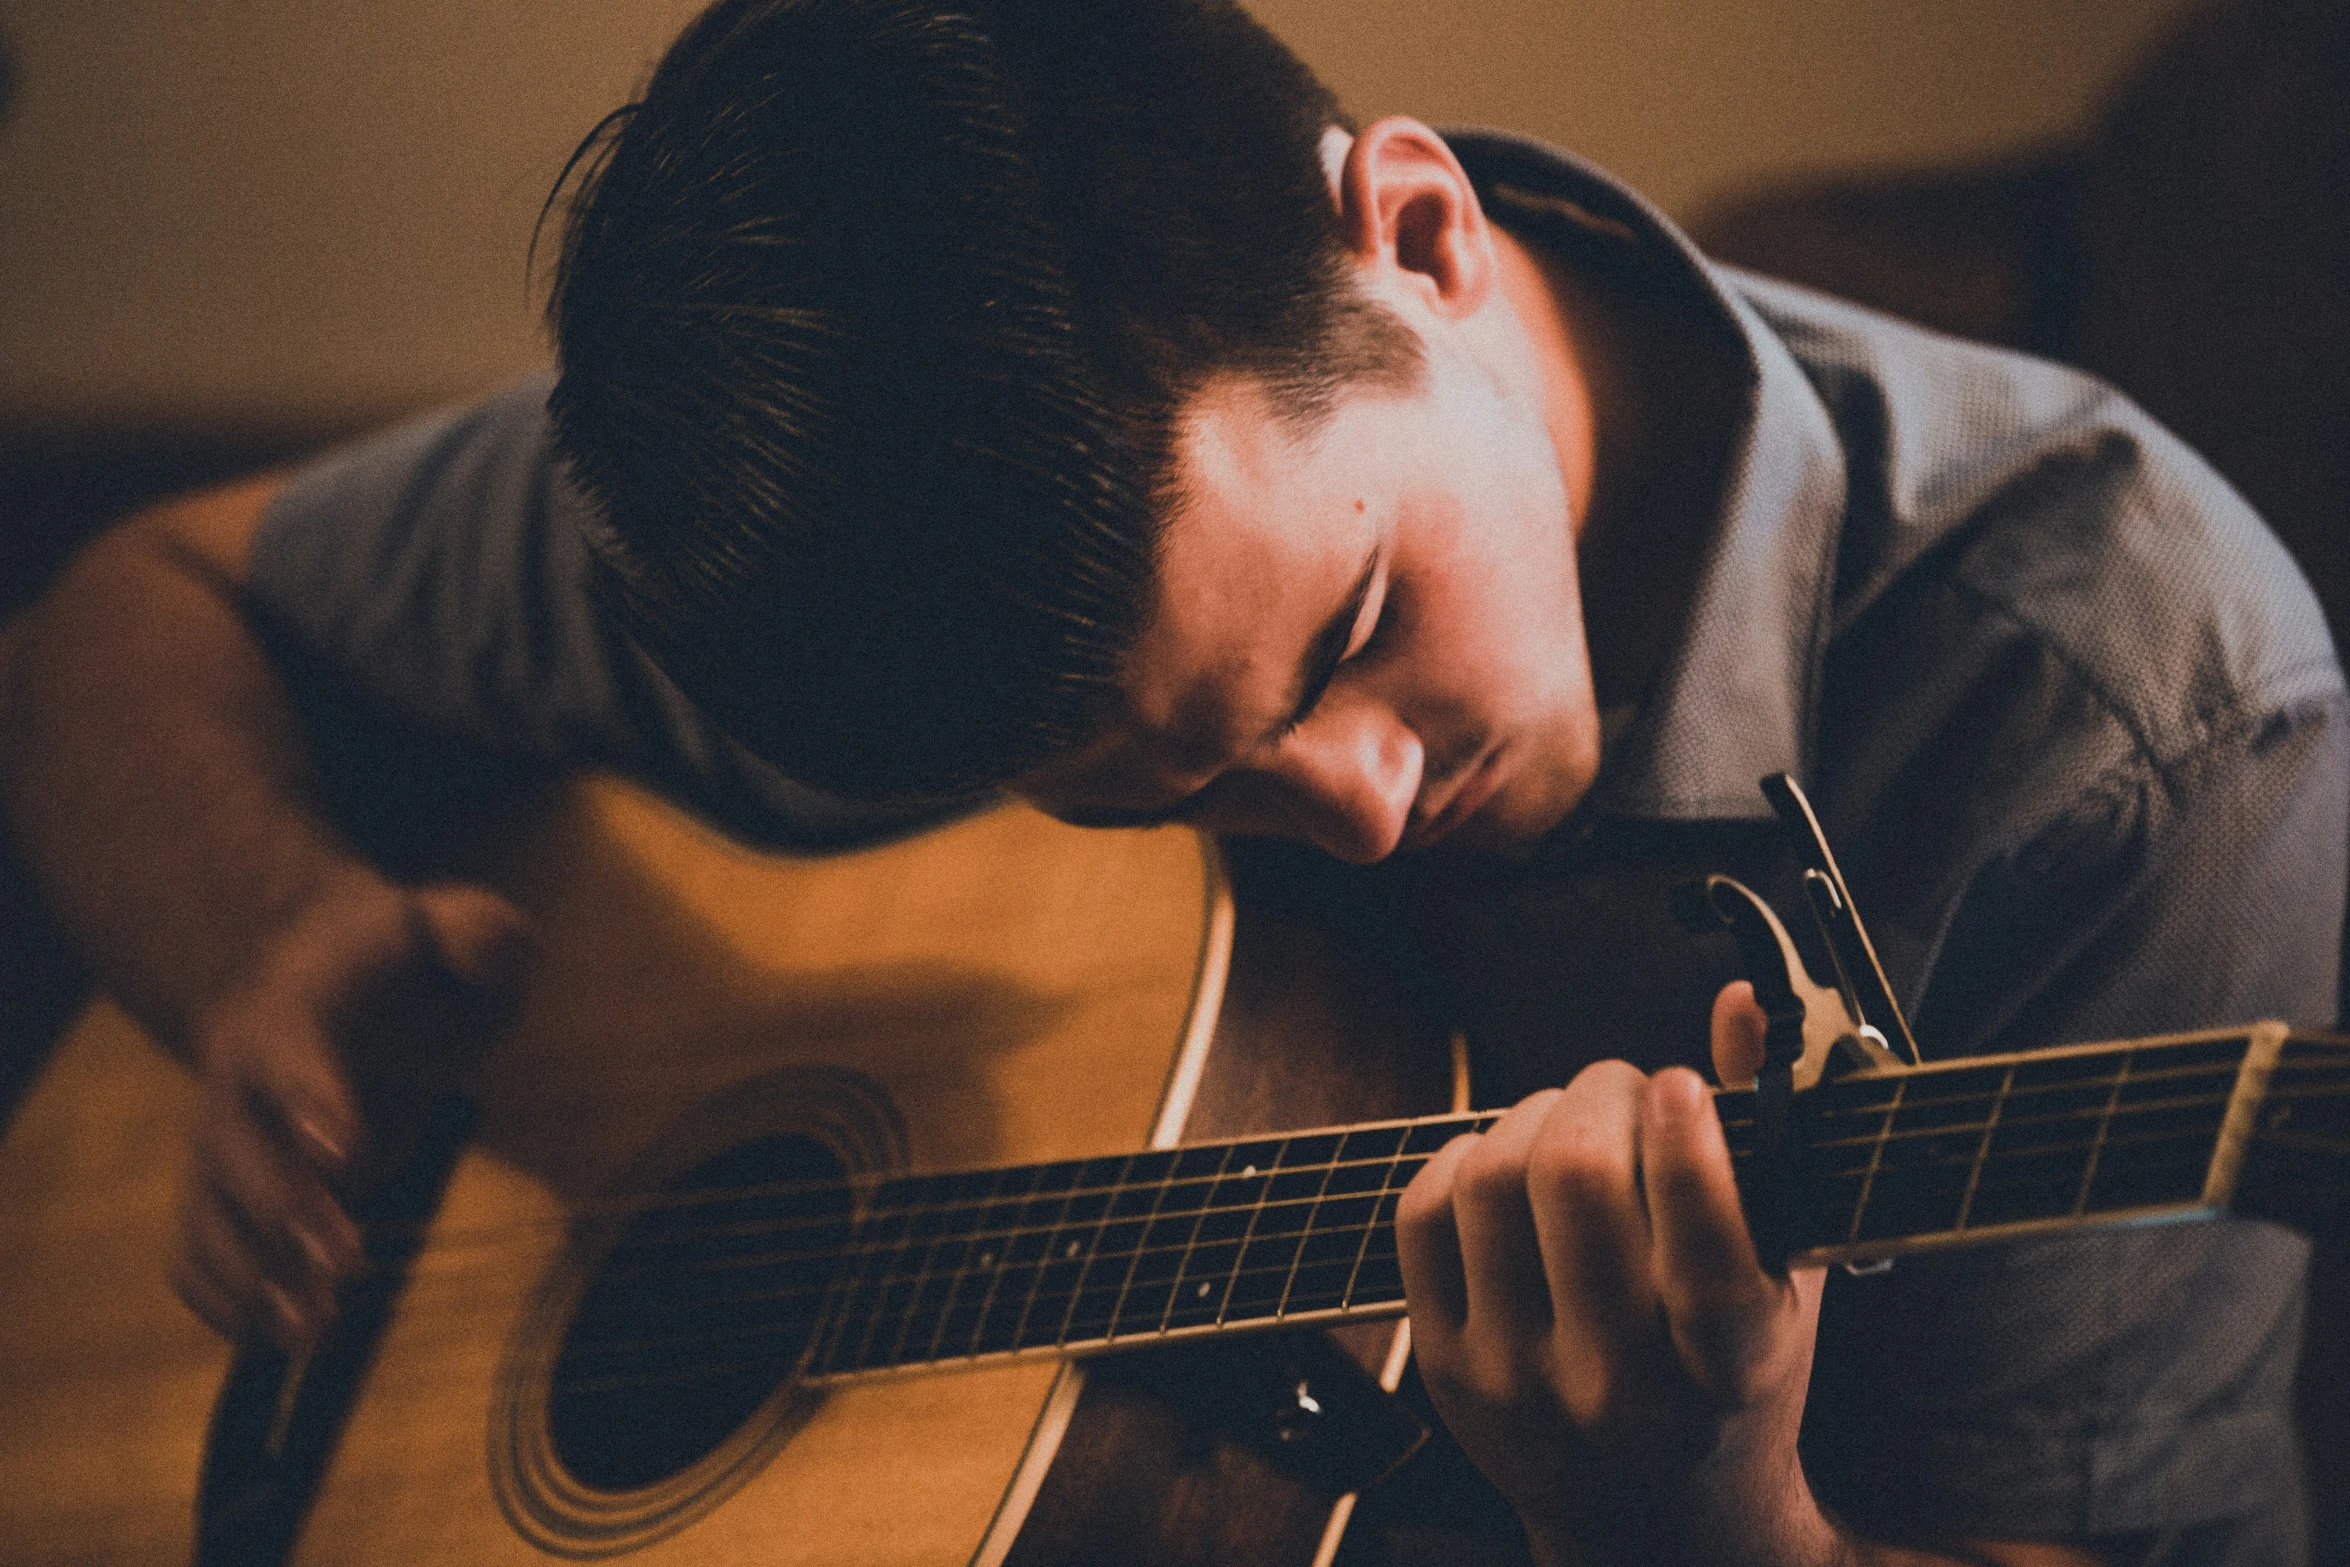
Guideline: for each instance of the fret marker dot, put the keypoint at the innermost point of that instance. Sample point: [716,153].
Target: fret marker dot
[1072,1251]
[1250,1170]
[1202,1291]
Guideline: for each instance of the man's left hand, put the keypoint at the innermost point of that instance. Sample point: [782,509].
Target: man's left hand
[1595,1329]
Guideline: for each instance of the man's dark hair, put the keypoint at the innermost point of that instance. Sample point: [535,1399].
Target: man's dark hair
[875,318]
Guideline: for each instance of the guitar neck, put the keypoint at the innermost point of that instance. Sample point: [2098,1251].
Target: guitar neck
[1080,1256]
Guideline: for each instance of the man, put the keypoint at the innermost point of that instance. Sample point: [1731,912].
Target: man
[1058,398]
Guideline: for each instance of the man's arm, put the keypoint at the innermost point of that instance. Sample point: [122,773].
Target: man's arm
[157,782]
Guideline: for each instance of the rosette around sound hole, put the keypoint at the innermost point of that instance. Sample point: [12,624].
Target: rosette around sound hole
[658,1365]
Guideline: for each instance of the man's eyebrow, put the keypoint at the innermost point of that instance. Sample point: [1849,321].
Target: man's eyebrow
[1323,656]
[1328,649]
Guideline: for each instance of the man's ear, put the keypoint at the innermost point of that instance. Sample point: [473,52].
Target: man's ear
[1410,216]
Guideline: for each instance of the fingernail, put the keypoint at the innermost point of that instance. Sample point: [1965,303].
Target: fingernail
[320,1255]
[322,1142]
[294,1326]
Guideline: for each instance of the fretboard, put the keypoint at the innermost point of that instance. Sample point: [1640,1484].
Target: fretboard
[1079,1256]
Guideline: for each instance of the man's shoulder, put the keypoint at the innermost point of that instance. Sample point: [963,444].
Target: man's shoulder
[2067,513]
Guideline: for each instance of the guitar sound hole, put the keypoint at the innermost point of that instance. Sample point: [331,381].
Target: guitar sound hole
[698,1314]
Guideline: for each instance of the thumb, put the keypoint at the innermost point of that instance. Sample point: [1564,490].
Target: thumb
[473,950]
[480,937]
[1739,1028]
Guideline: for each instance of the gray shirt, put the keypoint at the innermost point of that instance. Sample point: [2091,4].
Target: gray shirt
[2068,712]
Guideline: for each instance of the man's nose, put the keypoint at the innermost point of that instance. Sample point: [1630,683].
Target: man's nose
[1353,771]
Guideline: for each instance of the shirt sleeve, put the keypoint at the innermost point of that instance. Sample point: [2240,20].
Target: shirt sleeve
[425,593]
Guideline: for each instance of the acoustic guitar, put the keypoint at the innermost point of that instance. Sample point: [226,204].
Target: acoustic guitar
[803,1214]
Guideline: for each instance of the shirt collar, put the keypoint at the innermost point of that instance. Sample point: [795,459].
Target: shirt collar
[1736,696]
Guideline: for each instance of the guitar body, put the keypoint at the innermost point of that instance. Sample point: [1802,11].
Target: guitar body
[1004,991]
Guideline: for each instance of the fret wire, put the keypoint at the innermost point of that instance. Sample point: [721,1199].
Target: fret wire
[970,1243]
[1131,1256]
[881,1260]
[1295,1161]
[1921,1133]
[1357,1227]
[999,1254]
[1008,1230]
[891,1257]
[2318,1058]
[1157,1310]
[1876,1160]
[929,1229]
[929,1274]
[1001,1233]
[1180,1278]
[1825,1106]
[925,1275]
[1407,1165]
[1983,1149]
[1083,1263]
[1044,1260]
[1394,1178]
[2222,1084]
[1852,1096]
[1354,1202]
[2190,1139]
[2104,1126]
[1158,1206]
[1007,1263]
[918,1208]
[1248,1233]
[1465,1123]
[875,1315]
[841,1286]
[1386,1190]
[1297,1251]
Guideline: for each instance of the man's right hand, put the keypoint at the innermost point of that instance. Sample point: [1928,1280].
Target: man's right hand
[164,797]
[314,1070]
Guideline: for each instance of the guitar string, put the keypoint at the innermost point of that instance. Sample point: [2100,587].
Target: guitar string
[903,1187]
[705,1196]
[997,1234]
[705,1370]
[1286,1262]
[1285,1243]
[2331,1059]
[1067,1298]
[710,1196]
[672,1374]
[708,1369]
[993,1240]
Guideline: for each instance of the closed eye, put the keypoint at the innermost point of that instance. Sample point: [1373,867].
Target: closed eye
[1342,636]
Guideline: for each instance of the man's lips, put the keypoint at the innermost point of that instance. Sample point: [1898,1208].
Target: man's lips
[1475,787]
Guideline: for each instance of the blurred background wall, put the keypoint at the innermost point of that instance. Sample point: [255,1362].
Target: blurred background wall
[261,217]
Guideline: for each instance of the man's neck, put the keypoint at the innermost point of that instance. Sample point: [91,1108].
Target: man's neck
[1581,385]
[1614,357]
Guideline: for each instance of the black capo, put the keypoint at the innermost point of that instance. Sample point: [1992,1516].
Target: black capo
[1807,1021]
